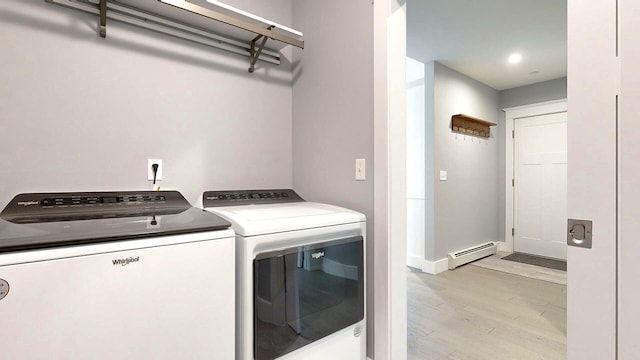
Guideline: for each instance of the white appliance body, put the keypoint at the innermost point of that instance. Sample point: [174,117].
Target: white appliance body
[267,228]
[173,299]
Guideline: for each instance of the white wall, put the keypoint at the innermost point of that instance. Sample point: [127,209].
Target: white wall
[429,159]
[333,112]
[466,205]
[84,113]
[415,162]
[420,162]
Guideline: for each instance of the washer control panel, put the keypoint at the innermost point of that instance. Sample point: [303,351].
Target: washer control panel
[42,207]
[248,197]
[4,288]
[75,200]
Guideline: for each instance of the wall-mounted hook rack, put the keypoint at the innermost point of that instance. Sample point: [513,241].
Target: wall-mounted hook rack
[470,125]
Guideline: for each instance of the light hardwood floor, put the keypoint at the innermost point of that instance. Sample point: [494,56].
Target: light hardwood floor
[495,262]
[478,313]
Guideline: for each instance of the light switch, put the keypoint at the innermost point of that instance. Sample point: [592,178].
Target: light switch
[443,175]
[361,172]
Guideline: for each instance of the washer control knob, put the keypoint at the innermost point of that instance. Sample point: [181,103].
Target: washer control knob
[4,288]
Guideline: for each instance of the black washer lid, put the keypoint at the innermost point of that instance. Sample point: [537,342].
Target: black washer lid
[41,220]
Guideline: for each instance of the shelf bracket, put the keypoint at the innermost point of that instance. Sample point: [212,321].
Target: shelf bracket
[102,27]
[255,54]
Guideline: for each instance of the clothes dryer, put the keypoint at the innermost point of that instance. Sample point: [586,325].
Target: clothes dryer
[300,271]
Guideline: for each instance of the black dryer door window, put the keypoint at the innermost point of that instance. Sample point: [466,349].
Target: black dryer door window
[305,293]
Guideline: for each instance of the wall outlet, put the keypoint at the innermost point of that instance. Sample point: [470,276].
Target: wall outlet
[443,175]
[150,163]
[361,171]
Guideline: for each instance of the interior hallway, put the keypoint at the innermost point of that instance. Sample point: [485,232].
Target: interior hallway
[478,313]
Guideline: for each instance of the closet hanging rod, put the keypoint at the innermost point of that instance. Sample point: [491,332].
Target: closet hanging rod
[160,24]
[270,31]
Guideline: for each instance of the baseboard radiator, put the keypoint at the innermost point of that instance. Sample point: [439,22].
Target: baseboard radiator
[471,254]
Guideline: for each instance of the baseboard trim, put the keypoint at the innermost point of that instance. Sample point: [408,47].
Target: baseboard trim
[426,266]
[415,261]
[504,247]
[435,267]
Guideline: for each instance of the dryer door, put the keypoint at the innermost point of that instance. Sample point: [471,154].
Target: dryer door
[305,293]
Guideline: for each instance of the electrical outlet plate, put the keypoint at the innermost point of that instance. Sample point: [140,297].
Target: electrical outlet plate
[150,163]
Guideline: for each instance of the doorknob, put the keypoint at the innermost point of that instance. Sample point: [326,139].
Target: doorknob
[579,233]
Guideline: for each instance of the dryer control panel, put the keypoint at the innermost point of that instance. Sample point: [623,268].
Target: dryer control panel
[248,197]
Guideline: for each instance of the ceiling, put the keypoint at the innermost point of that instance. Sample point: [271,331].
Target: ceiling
[475,37]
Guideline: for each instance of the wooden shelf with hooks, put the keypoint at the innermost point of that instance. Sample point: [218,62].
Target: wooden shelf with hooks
[470,125]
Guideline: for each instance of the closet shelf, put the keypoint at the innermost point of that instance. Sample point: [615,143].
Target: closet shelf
[470,125]
[210,23]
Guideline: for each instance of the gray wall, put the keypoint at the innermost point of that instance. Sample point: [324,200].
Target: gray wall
[524,95]
[333,111]
[83,113]
[534,93]
[80,113]
[466,205]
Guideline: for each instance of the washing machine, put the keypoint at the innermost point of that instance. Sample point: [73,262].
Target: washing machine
[300,270]
[115,275]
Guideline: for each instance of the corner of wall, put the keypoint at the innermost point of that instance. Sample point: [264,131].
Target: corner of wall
[426,266]
[466,203]
[430,224]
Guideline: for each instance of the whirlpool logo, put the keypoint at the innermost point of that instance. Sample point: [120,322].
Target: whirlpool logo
[318,255]
[27,203]
[126,261]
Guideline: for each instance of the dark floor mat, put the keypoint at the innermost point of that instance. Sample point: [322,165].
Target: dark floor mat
[537,260]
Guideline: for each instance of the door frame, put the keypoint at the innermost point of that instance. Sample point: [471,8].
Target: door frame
[511,114]
[390,190]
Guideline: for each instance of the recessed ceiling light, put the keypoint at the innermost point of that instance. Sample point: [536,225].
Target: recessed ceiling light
[514,58]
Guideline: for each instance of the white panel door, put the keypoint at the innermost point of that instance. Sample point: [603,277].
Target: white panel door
[629,177]
[591,177]
[540,192]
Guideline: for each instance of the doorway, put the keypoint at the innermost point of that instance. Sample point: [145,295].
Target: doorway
[592,177]
[469,178]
